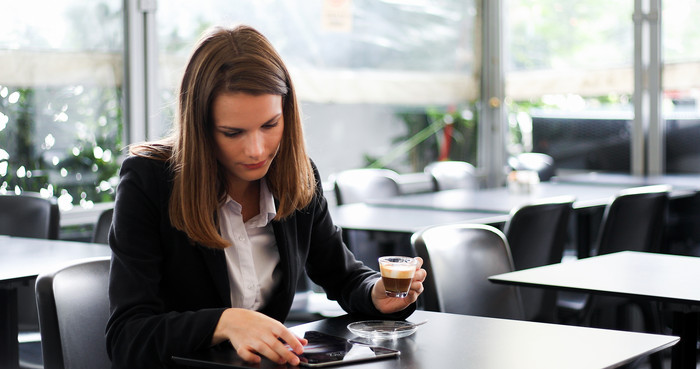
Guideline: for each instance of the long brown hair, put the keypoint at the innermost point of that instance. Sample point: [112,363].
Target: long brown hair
[227,60]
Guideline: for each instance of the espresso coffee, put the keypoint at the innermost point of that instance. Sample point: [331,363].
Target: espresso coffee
[397,277]
[397,285]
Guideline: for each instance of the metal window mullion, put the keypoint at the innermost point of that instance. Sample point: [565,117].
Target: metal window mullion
[140,79]
[655,134]
[134,74]
[638,123]
[153,122]
[492,121]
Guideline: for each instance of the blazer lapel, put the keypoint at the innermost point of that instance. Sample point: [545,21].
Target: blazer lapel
[216,263]
[286,257]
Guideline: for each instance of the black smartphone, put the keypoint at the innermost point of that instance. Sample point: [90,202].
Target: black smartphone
[326,350]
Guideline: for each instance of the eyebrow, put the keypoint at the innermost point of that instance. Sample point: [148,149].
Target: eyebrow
[278,116]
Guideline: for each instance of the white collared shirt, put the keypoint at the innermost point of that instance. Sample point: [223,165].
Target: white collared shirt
[253,258]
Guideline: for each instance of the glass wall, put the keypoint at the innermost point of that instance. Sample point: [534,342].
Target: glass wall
[378,80]
[60,99]
[681,85]
[569,81]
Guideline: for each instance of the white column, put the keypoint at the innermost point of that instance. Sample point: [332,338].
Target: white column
[648,124]
[140,79]
[655,145]
[639,122]
[492,118]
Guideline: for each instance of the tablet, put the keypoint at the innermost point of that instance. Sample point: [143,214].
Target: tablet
[322,350]
[325,350]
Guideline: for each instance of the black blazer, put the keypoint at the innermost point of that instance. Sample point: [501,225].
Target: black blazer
[167,294]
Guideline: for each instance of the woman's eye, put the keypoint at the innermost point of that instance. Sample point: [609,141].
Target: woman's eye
[271,125]
[231,134]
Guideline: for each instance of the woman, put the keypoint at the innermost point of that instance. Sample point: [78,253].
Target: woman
[214,225]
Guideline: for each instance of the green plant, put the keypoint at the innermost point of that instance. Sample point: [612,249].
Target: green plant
[60,141]
[436,133]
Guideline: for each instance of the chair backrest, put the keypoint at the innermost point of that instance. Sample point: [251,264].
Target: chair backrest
[73,313]
[536,234]
[634,220]
[448,175]
[459,258]
[543,164]
[29,215]
[361,185]
[101,232]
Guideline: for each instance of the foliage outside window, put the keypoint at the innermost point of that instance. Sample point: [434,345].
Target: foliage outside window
[61,99]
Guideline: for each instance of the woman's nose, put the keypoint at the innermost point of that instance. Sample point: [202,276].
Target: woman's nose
[254,145]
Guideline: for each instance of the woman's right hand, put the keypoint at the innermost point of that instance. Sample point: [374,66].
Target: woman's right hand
[252,333]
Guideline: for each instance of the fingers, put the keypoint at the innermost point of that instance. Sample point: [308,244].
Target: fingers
[247,354]
[271,348]
[420,262]
[294,342]
[253,334]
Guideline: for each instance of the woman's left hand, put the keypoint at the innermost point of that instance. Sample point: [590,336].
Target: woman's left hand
[387,304]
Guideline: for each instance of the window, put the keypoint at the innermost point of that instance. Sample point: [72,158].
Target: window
[370,74]
[569,81]
[60,99]
[681,85]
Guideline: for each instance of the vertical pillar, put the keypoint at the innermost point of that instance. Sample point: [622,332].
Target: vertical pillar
[492,120]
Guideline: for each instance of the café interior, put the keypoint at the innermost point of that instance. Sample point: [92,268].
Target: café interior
[496,139]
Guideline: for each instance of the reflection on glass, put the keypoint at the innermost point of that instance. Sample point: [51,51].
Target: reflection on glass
[367,85]
[569,81]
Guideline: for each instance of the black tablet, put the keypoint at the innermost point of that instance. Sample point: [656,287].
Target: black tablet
[326,350]
[322,350]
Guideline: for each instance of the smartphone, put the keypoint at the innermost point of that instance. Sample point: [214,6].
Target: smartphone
[327,350]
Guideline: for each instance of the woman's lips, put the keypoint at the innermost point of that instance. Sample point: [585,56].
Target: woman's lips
[255,165]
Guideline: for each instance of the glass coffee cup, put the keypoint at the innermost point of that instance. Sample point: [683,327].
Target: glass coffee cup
[397,274]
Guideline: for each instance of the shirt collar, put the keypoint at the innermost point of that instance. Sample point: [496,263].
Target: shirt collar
[268,211]
[267,202]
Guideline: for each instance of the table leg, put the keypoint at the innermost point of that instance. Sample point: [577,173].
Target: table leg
[9,348]
[583,233]
[684,353]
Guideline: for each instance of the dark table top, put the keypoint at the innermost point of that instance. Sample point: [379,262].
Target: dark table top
[653,276]
[461,341]
[670,279]
[20,260]
[679,181]
[503,200]
[408,220]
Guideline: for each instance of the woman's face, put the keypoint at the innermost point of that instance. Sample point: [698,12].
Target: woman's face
[247,133]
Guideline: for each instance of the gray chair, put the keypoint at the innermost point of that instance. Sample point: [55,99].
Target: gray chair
[448,175]
[73,311]
[104,222]
[459,258]
[29,215]
[543,164]
[361,185]
[536,234]
[634,220]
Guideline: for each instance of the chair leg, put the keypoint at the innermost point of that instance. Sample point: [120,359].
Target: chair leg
[652,323]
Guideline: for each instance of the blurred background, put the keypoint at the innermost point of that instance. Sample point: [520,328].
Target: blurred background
[598,85]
